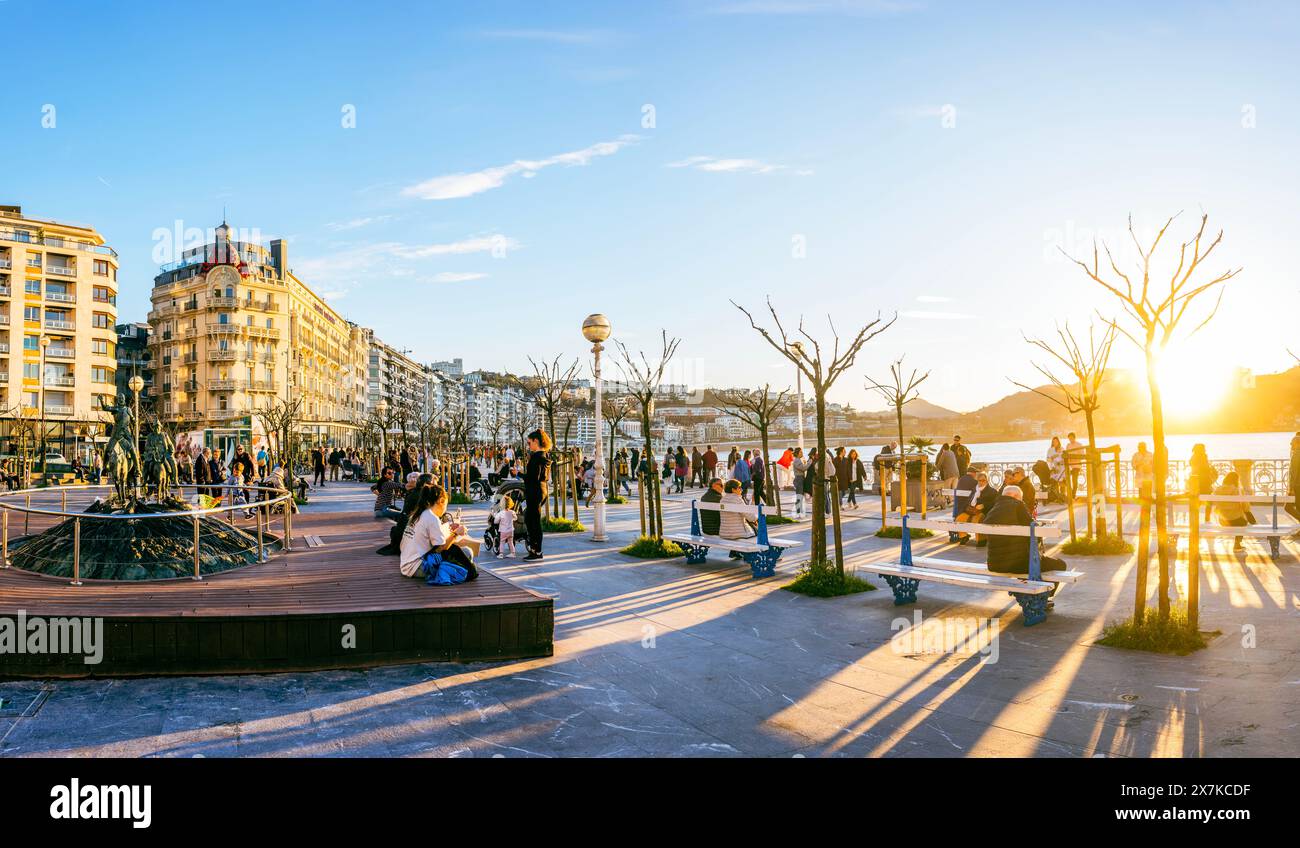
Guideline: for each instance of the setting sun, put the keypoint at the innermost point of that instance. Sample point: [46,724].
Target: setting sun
[1194,380]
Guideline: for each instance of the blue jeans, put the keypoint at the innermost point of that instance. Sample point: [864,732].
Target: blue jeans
[388,512]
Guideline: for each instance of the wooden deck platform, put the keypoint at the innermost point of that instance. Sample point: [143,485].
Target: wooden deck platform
[291,614]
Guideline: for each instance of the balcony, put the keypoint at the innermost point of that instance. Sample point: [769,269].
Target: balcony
[60,297]
[4,377]
[5,291]
[190,358]
[28,237]
[222,303]
[259,305]
[221,355]
[162,312]
[4,320]
[188,306]
[263,332]
[54,409]
[225,385]
[57,324]
[53,352]
[224,414]
[62,270]
[56,381]
[192,415]
[224,329]
[6,262]
[264,386]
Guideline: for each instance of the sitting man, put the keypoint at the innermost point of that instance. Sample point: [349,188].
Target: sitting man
[711,520]
[386,491]
[961,504]
[1017,477]
[1010,554]
[415,481]
[427,533]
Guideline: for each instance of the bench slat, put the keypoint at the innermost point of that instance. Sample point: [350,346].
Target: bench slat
[955,578]
[741,545]
[978,568]
[1042,531]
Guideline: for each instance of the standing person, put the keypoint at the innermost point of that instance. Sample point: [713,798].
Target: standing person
[1074,460]
[740,473]
[710,460]
[856,476]
[1143,463]
[216,473]
[202,471]
[261,462]
[536,479]
[733,458]
[799,466]
[946,462]
[1294,508]
[840,462]
[963,455]
[697,466]
[758,474]
[318,465]
[681,468]
[506,525]
[1056,464]
[1205,472]
[336,464]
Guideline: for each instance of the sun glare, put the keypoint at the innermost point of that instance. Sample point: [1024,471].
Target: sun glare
[1194,379]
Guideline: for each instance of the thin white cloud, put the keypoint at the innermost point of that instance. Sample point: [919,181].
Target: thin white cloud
[718,165]
[453,186]
[932,298]
[341,270]
[357,223]
[453,277]
[817,7]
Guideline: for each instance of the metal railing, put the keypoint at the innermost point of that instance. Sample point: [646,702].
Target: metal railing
[268,500]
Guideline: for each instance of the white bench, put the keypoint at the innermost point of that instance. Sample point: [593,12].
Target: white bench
[1032,591]
[1273,532]
[761,552]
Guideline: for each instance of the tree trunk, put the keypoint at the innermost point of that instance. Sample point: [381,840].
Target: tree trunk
[1096,477]
[819,481]
[1161,475]
[770,472]
[652,474]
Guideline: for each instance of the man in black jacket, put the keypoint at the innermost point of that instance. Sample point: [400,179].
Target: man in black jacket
[1017,477]
[1010,554]
[711,520]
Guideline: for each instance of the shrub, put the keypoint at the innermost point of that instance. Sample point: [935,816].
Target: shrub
[650,547]
[1107,545]
[554,524]
[1174,635]
[615,500]
[819,579]
[897,533]
[460,498]
[779,519]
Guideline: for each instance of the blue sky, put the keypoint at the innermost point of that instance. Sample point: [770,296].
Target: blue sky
[500,182]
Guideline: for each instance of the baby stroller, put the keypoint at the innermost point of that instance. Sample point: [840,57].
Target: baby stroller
[1046,484]
[492,535]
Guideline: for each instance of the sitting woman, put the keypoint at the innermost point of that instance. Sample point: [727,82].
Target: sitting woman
[429,540]
[732,524]
[1233,514]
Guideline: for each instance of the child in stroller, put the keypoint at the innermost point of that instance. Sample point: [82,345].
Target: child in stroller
[504,507]
[1047,483]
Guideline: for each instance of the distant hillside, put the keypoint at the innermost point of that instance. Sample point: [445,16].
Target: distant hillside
[922,408]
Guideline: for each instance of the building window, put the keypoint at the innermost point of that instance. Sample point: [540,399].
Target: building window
[31,342]
[100,268]
[32,286]
[104,295]
[32,313]
[100,321]
[99,374]
[31,370]
[100,347]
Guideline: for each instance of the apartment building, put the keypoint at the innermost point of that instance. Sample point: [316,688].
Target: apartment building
[399,381]
[58,313]
[235,330]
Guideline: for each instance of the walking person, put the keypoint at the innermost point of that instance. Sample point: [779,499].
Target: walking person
[1205,472]
[758,474]
[1144,477]
[946,462]
[740,473]
[710,460]
[799,466]
[536,481]
[963,455]
[856,474]
[318,465]
[1294,508]
[681,468]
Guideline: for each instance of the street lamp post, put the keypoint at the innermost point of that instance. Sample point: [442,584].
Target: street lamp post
[45,342]
[382,409]
[798,391]
[596,330]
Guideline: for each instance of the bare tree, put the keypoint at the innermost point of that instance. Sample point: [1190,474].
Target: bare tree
[758,409]
[643,379]
[1083,395]
[548,386]
[614,410]
[898,393]
[821,375]
[280,419]
[1155,311]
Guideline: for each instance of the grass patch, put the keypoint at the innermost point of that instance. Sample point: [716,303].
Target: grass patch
[779,519]
[897,533]
[1108,545]
[648,547]
[615,500]
[1172,636]
[552,524]
[821,580]
[460,498]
